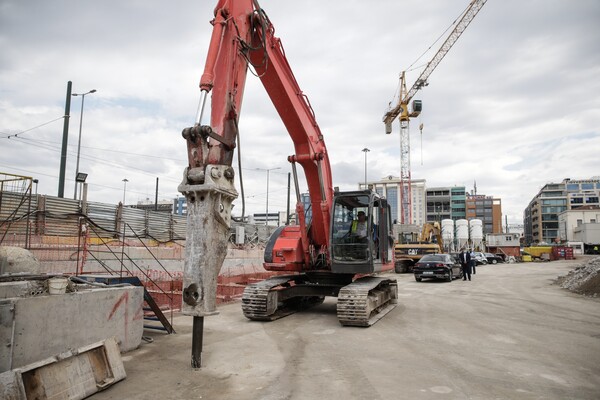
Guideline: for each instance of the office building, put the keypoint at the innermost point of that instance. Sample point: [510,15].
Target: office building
[541,217]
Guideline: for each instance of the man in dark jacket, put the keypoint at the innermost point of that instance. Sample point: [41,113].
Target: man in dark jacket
[465,262]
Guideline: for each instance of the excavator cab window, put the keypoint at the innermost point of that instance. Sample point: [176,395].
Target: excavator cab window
[360,239]
[351,227]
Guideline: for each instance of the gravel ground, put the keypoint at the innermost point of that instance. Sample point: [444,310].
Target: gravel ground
[511,333]
[583,279]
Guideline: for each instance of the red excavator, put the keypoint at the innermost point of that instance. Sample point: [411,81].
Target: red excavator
[325,256]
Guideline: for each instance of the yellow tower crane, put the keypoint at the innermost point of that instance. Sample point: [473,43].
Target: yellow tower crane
[402,111]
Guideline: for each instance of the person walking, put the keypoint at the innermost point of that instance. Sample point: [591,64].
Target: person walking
[473,262]
[465,262]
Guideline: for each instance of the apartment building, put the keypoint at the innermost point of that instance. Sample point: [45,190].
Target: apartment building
[541,217]
[486,208]
[446,203]
[389,187]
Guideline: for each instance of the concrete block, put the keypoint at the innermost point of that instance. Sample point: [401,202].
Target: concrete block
[75,374]
[14,289]
[52,324]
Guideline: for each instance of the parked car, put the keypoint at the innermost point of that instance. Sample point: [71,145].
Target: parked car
[440,266]
[479,257]
[493,258]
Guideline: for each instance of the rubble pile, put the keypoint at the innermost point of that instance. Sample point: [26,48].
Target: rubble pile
[584,279]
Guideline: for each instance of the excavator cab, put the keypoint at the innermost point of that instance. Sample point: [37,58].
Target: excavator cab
[361,240]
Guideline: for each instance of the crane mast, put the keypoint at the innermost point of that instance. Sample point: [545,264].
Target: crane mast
[402,112]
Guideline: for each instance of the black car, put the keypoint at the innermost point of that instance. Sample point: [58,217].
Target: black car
[493,258]
[441,266]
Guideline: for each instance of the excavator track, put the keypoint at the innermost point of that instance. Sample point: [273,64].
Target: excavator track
[360,303]
[366,300]
[260,301]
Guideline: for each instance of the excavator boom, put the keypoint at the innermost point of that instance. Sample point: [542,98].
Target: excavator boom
[242,37]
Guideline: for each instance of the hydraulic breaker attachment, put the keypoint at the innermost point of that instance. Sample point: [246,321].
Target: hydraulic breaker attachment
[209,194]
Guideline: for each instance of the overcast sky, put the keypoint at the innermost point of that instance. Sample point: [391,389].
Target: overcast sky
[514,105]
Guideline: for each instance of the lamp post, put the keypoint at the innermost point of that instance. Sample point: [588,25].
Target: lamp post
[79,141]
[267,205]
[365,150]
[80,179]
[124,189]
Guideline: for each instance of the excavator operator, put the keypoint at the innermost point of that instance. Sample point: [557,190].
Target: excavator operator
[359,227]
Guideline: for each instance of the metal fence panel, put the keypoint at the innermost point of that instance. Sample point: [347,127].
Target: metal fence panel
[104,217]
[61,216]
[15,212]
[136,221]
[179,227]
[159,225]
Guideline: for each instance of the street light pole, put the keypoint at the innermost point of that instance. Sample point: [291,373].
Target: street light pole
[267,205]
[79,141]
[365,150]
[124,189]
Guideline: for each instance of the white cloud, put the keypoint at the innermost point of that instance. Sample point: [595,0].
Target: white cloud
[513,105]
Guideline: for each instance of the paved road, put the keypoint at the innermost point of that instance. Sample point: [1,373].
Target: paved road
[509,334]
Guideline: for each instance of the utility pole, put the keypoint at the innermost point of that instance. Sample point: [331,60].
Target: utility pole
[65,140]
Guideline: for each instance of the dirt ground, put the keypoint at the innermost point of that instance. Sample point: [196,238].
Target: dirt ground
[511,333]
[584,278]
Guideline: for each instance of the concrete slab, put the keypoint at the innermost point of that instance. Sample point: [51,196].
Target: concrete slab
[37,327]
[508,334]
[75,374]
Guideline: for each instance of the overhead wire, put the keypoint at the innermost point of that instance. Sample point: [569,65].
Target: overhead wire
[9,135]
[92,158]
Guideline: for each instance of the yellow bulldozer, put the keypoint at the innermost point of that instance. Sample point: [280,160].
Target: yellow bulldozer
[407,254]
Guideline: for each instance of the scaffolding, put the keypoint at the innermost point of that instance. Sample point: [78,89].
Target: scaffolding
[15,209]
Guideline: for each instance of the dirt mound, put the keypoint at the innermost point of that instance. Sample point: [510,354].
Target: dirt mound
[16,259]
[584,279]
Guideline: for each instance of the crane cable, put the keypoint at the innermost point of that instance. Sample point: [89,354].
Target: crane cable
[439,37]
[410,67]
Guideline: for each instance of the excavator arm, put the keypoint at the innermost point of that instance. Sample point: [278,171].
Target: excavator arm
[430,231]
[243,35]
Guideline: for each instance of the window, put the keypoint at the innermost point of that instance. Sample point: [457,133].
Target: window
[552,210]
[345,211]
[554,202]
[579,222]
[573,187]
[587,186]
[552,194]
[392,198]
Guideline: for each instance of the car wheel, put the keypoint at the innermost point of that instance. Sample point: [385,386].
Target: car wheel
[418,279]
[494,261]
[449,277]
